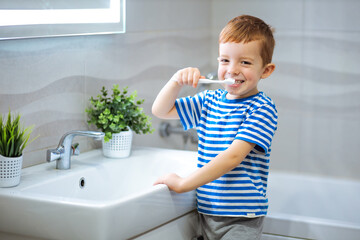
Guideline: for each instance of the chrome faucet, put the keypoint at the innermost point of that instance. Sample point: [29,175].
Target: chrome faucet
[62,154]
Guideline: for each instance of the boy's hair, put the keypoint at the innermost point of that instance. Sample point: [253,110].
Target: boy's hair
[244,29]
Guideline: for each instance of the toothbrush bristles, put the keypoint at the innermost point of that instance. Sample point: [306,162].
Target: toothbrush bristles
[230,81]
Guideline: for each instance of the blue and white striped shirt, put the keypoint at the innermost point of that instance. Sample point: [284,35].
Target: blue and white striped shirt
[219,121]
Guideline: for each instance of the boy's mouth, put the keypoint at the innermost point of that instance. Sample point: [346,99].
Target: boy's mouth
[237,83]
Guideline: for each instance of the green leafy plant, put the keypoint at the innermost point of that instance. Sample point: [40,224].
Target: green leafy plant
[118,112]
[13,137]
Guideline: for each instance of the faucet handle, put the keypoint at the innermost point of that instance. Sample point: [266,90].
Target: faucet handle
[75,149]
[53,154]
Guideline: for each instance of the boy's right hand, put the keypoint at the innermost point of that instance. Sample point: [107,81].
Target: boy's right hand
[187,76]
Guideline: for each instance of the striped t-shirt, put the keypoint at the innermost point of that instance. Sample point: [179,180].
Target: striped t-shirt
[219,121]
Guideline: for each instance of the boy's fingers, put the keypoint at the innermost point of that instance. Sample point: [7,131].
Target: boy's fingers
[158,181]
[179,78]
[196,77]
[188,76]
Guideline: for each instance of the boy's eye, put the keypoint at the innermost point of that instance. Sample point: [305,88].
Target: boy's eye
[245,62]
[223,60]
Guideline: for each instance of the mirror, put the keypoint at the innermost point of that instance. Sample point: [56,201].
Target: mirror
[50,18]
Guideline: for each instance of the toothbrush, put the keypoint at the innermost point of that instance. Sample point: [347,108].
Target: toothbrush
[228,81]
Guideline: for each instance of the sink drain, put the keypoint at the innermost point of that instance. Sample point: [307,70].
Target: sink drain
[82,182]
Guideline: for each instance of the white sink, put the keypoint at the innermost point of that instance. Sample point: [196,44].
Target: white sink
[98,198]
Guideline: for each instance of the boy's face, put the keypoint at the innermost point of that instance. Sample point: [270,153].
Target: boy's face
[241,61]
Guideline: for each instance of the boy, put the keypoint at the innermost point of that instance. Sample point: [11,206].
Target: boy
[235,126]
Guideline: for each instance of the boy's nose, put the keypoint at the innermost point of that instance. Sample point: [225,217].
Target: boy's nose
[234,69]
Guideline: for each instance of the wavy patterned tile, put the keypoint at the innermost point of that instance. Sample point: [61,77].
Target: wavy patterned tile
[14,101]
[29,65]
[315,85]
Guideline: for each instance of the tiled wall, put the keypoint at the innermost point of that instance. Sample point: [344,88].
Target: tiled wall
[315,85]
[50,80]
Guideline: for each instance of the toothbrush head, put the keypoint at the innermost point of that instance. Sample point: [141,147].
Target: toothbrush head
[229,81]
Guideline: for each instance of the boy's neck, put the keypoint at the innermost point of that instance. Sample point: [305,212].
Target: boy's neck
[232,97]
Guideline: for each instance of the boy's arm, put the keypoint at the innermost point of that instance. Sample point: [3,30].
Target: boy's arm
[164,104]
[220,165]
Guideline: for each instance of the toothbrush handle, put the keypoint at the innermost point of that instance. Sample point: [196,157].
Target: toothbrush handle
[202,80]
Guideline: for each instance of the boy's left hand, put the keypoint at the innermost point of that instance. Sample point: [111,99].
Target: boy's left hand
[172,180]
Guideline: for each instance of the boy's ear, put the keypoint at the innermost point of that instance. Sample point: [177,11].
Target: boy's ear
[268,70]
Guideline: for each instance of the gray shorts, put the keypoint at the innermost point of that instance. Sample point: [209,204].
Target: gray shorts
[230,228]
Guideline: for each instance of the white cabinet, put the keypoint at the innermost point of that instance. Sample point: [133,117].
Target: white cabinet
[277,237]
[185,227]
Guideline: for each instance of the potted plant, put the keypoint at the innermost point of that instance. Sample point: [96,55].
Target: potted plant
[13,140]
[118,116]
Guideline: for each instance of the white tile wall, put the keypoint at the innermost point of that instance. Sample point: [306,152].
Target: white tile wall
[49,81]
[315,85]
[281,14]
[332,15]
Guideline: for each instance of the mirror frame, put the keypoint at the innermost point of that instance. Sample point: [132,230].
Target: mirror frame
[62,22]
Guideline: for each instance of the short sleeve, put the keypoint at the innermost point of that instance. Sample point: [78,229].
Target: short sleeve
[259,127]
[189,110]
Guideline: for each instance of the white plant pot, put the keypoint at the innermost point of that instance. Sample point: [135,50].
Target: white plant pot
[119,146]
[10,171]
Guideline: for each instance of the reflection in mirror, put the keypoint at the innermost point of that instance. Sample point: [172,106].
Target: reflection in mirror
[38,18]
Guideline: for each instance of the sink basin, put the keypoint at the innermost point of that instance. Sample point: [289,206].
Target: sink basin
[98,198]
